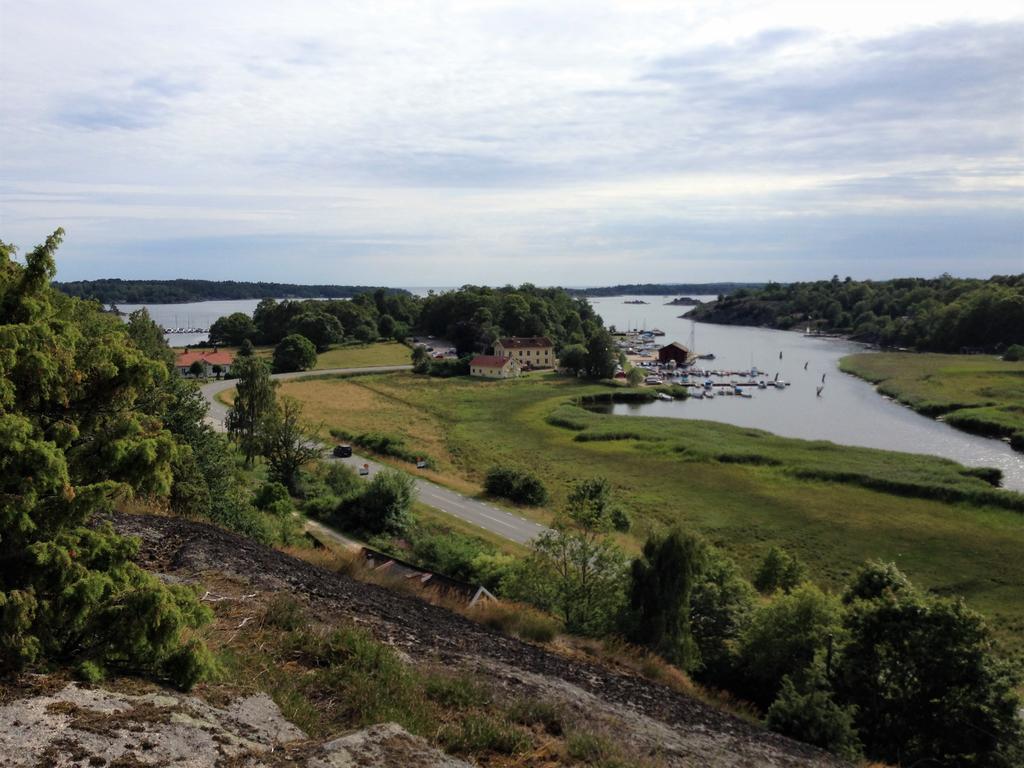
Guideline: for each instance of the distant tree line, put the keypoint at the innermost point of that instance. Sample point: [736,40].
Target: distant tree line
[471,318]
[944,314]
[117,291]
[665,289]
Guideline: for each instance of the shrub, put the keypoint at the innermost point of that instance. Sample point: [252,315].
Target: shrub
[480,733]
[593,749]
[269,493]
[532,712]
[515,485]
[384,506]
[445,369]
[815,718]
[449,553]
[284,612]
[1014,353]
[516,619]
[456,691]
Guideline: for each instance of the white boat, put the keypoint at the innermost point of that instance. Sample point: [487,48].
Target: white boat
[663,396]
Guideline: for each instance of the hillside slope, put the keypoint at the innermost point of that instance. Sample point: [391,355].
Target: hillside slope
[651,718]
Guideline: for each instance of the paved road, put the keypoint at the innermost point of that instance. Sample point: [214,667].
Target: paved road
[479,513]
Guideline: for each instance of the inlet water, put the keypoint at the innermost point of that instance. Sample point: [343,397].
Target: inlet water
[849,410]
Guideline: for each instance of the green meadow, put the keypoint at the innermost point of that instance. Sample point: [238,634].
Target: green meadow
[743,489]
[975,393]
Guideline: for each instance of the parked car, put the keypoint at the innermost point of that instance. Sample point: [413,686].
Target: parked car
[343,451]
[364,469]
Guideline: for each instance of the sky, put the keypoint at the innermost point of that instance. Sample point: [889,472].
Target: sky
[575,143]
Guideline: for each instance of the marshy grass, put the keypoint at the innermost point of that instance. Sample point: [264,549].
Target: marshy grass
[944,524]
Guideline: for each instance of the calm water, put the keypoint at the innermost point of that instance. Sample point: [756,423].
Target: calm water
[849,410]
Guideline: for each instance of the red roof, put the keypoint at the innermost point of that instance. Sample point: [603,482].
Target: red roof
[526,342]
[185,359]
[488,361]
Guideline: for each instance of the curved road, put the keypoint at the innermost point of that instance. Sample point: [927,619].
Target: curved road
[479,513]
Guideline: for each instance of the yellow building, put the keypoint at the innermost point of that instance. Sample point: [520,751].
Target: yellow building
[494,367]
[528,351]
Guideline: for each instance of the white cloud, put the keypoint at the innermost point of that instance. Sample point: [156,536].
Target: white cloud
[507,142]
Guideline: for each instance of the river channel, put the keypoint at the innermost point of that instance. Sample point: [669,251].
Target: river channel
[849,410]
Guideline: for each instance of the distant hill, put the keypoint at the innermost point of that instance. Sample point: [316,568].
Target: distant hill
[117,291]
[664,289]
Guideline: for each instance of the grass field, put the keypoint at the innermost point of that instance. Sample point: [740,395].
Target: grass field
[975,393]
[743,489]
[364,355]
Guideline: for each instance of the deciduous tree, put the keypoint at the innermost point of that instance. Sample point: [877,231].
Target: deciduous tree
[254,399]
[287,444]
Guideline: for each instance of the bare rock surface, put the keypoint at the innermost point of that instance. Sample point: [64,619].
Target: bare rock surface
[387,745]
[78,726]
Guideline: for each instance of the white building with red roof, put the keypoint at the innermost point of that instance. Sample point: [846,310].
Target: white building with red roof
[207,358]
[494,367]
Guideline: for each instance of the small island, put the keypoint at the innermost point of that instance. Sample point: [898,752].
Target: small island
[635,301]
[683,301]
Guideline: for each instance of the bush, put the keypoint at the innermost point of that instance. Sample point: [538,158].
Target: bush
[814,718]
[384,506]
[269,493]
[480,733]
[516,619]
[532,712]
[446,369]
[284,612]
[294,353]
[594,750]
[1014,353]
[516,485]
[449,553]
[456,692]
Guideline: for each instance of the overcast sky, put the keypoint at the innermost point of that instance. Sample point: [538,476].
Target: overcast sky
[439,143]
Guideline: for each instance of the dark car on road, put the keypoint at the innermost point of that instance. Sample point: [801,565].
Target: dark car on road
[343,451]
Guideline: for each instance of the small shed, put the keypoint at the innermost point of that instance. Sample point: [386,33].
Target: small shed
[675,352]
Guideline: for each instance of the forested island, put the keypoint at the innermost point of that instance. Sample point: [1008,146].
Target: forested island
[944,314]
[664,289]
[117,291]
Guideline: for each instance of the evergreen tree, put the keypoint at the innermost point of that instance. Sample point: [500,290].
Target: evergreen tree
[73,441]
